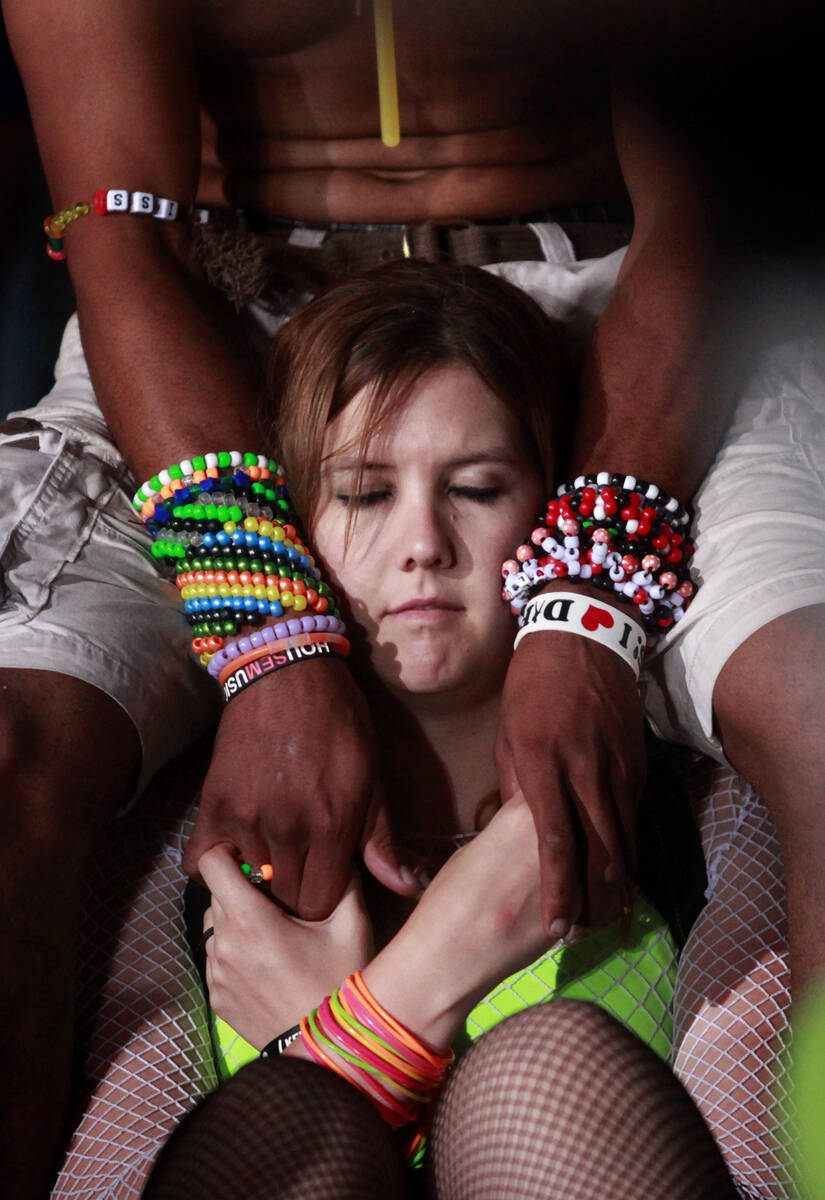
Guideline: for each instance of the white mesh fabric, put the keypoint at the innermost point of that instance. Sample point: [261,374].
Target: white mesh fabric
[141,1013]
[732,1001]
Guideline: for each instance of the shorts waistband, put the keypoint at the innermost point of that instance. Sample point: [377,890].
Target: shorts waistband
[263,223]
[593,230]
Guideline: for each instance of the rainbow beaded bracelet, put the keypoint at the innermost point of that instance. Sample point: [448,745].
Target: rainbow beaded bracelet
[197,469]
[224,522]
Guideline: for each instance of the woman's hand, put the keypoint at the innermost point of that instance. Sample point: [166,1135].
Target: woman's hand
[477,922]
[265,970]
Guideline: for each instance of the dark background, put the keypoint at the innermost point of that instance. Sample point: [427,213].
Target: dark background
[35,293]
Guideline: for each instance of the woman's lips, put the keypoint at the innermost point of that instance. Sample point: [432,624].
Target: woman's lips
[429,611]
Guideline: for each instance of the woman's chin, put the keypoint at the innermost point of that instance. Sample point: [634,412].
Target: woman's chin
[456,685]
[428,669]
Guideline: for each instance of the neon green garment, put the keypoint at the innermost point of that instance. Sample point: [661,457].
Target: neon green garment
[808,1064]
[633,982]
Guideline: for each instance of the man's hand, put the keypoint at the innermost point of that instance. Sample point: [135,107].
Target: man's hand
[293,782]
[571,738]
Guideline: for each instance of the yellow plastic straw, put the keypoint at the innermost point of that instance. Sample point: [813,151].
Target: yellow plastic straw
[387,81]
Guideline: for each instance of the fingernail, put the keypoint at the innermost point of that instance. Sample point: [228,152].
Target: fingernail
[559,929]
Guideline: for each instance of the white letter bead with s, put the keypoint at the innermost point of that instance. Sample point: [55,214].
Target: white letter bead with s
[142,202]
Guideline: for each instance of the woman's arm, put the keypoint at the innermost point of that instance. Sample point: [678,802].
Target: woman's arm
[477,922]
[654,403]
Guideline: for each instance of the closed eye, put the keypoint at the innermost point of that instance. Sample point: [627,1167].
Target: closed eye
[363,499]
[485,495]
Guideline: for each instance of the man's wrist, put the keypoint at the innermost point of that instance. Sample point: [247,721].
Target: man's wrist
[594,593]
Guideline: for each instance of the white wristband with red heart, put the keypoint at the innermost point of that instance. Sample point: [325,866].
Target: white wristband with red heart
[571,612]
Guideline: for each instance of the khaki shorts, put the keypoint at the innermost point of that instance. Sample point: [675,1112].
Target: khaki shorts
[80,593]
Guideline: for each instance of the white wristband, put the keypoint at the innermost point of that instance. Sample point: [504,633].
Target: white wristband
[571,612]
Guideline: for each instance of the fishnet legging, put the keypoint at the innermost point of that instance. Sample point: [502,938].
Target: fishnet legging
[732,999]
[145,1053]
[558,1101]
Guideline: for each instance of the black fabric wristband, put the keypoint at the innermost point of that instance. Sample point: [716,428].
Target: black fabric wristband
[280,1043]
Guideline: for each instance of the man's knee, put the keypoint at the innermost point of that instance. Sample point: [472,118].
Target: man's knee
[769,702]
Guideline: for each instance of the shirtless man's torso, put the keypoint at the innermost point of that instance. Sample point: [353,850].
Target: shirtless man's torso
[495,116]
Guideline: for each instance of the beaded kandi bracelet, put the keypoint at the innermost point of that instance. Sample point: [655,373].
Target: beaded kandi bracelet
[224,523]
[105,201]
[293,641]
[265,639]
[616,532]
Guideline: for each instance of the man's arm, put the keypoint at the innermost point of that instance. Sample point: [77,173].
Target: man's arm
[113,97]
[114,103]
[654,404]
[653,401]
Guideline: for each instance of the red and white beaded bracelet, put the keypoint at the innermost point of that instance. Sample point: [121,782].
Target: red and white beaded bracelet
[615,532]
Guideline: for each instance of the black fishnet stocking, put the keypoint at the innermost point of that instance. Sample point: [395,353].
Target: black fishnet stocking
[284,1128]
[557,1102]
[561,1101]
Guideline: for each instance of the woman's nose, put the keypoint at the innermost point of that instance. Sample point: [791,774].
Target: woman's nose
[426,538]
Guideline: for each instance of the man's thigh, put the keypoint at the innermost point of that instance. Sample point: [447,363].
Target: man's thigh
[760,547]
[79,593]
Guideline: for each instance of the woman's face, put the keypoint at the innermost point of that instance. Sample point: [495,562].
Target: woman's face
[449,489]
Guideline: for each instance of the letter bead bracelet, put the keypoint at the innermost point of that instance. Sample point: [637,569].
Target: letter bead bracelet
[105,201]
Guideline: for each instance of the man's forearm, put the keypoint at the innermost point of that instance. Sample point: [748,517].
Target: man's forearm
[655,390]
[113,96]
[656,395]
[166,355]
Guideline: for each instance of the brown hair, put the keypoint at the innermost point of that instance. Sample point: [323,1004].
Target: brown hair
[384,330]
